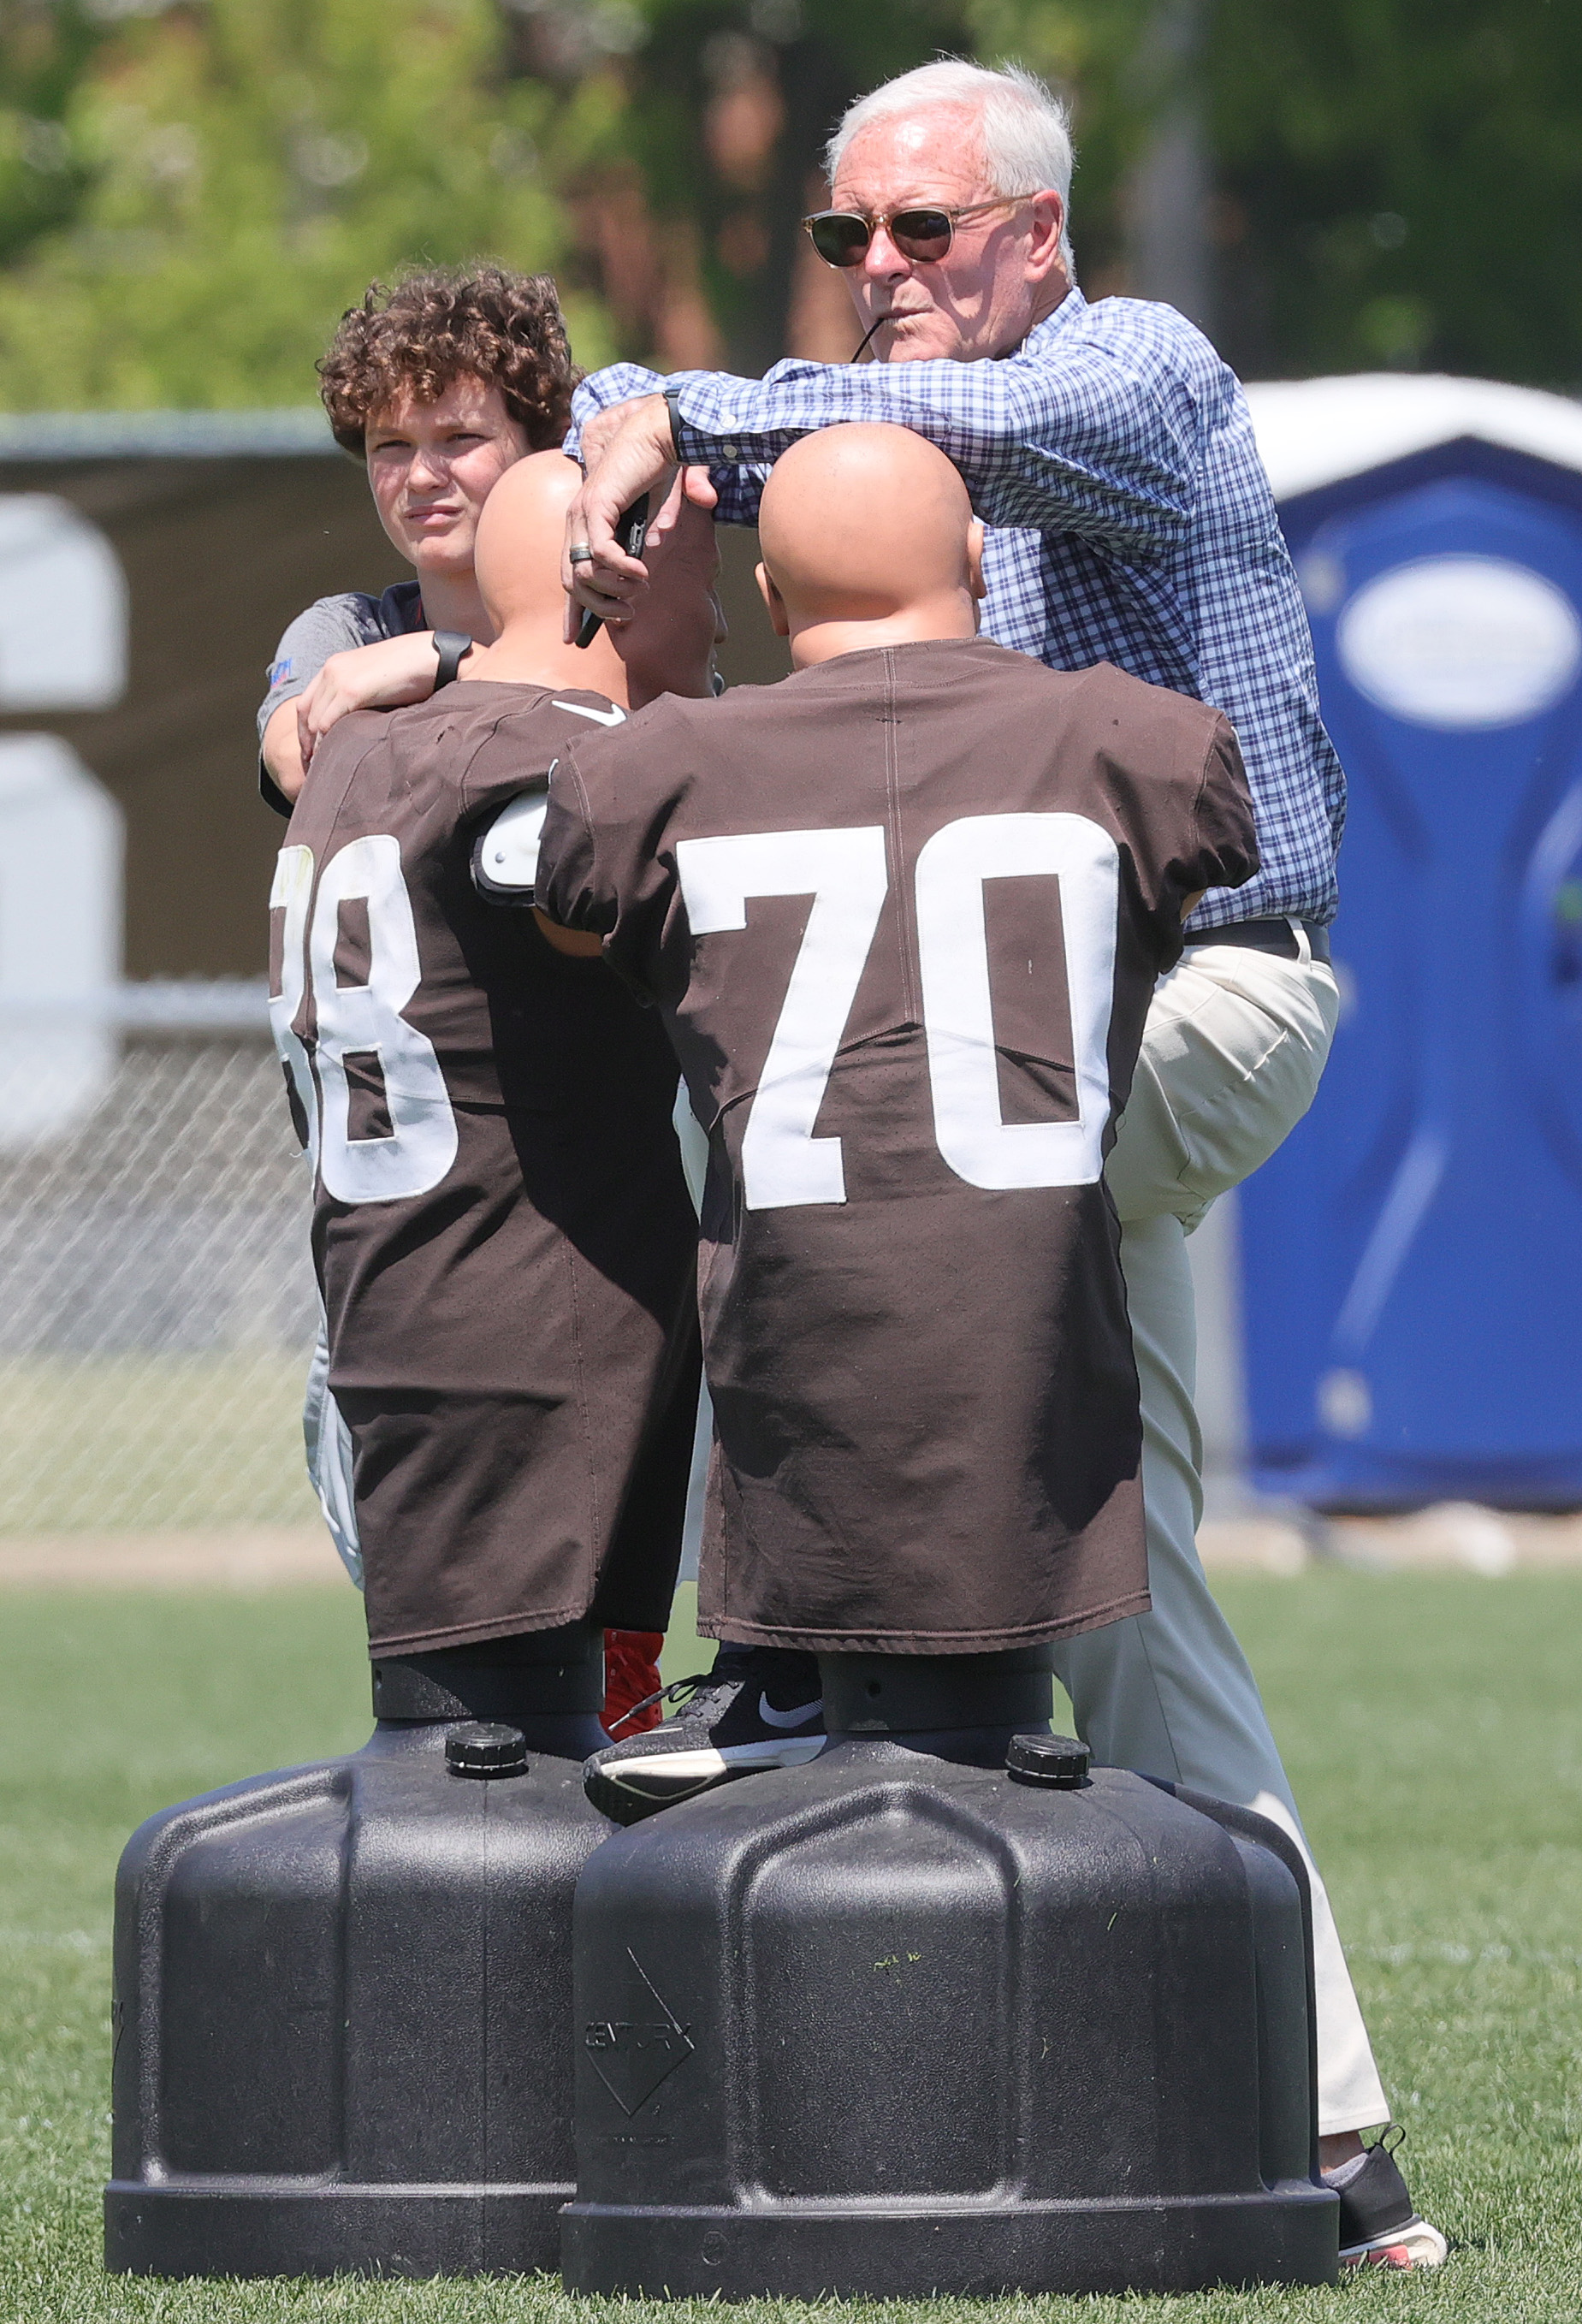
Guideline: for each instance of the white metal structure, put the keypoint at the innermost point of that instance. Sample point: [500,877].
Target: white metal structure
[63,634]
[1315,431]
[60,852]
[63,608]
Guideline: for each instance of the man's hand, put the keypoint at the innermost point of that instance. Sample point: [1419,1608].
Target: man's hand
[668,643]
[628,451]
[379,677]
[603,428]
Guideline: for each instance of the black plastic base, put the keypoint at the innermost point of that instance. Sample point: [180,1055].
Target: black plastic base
[890,2024]
[537,1674]
[342,1997]
[921,1694]
[1189,2245]
[187,2229]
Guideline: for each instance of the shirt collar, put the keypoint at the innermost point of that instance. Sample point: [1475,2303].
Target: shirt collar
[1041,334]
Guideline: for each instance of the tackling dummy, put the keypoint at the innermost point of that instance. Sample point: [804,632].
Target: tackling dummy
[501,1230]
[902,914]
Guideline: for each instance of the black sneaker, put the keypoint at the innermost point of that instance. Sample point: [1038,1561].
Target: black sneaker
[759,1707]
[1379,2225]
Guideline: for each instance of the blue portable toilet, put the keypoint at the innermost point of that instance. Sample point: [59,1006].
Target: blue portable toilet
[1412,1258]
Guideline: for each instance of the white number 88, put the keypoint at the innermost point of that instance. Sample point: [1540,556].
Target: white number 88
[361,1020]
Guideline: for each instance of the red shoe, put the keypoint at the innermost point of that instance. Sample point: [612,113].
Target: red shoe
[632,1681]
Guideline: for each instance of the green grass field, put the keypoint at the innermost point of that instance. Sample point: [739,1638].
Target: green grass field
[135,1442]
[1433,1727]
[110,1443]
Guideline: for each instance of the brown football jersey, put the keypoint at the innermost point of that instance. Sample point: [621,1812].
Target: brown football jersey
[502,1228]
[903,914]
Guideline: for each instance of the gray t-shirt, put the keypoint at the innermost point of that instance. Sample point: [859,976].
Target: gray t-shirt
[331,626]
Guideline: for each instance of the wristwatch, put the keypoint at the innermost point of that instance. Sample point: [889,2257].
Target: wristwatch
[672,406]
[453,646]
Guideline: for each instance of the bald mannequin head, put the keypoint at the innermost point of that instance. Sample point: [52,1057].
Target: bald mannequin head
[868,538]
[518,565]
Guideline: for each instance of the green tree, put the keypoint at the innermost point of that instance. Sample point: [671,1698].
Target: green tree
[190,192]
[1099,55]
[44,54]
[233,173]
[725,106]
[1392,183]
[1402,182]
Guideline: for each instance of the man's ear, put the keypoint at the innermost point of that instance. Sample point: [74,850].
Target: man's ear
[779,619]
[1049,218]
[975,580]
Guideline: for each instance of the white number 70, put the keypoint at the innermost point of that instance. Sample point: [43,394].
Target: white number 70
[844,872]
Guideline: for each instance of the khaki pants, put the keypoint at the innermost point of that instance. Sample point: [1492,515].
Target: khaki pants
[1234,1043]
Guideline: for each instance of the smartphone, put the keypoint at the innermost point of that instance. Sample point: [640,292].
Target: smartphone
[632,529]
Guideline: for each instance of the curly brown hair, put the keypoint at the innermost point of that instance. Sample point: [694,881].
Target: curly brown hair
[444,324]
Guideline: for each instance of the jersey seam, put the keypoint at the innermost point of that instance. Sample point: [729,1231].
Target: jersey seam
[495,723]
[1203,782]
[584,808]
[375,743]
[909,999]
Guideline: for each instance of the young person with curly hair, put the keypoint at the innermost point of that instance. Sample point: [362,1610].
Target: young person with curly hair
[440,384]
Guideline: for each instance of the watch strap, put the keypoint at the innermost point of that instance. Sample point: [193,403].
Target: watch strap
[453,646]
[672,406]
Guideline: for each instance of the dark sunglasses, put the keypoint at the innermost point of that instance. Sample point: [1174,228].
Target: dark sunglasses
[923,236]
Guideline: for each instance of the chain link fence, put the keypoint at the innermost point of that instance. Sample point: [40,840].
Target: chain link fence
[157,1301]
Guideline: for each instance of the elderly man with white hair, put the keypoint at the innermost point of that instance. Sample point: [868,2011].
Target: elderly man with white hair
[1111,453]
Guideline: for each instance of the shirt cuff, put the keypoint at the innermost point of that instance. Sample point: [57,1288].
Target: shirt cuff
[616,383]
[720,420]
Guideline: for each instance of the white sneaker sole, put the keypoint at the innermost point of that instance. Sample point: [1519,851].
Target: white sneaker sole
[1416,2245]
[677,1772]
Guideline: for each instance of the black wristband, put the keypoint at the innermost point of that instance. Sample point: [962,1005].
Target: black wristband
[453,646]
[672,406]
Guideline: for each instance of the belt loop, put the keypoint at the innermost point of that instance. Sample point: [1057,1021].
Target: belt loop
[1304,950]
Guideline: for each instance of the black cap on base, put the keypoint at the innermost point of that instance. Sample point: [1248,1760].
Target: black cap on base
[1057,1760]
[483,1747]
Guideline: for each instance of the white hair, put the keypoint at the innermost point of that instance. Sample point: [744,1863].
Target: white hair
[1026,129]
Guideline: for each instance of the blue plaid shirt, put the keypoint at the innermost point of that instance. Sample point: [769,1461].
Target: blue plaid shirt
[1113,456]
